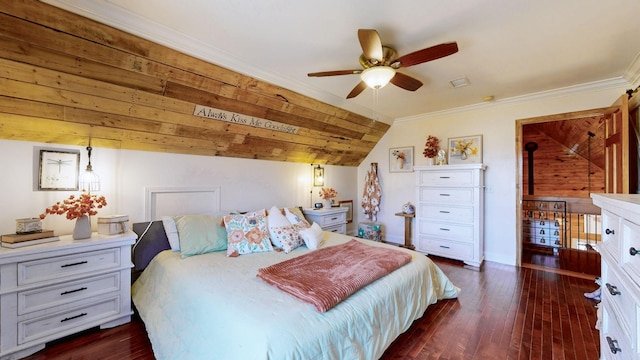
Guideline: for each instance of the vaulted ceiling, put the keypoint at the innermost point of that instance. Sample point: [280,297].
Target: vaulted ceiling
[507,48]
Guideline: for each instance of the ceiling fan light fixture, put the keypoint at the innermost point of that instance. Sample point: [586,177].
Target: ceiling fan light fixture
[378,76]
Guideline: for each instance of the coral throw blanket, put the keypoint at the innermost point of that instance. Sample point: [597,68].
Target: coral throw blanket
[326,276]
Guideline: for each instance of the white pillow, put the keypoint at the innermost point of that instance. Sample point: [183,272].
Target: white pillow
[283,234]
[313,236]
[172,232]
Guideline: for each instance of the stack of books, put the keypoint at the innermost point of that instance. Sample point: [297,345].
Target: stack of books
[19,240]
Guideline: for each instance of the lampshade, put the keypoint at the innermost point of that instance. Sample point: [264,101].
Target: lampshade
[89,181]
[378,76]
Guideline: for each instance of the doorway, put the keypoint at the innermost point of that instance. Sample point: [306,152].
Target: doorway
[562,161]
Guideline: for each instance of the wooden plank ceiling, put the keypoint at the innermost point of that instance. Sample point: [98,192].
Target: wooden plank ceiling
[66,79]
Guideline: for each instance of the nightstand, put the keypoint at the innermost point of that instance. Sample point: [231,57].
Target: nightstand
[56,289]
[330,219]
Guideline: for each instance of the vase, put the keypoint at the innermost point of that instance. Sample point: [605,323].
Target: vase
[431,161]
[82,230]
[463,155]
[328,203]
[400,163]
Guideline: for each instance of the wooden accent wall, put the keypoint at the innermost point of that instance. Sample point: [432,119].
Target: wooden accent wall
[65,79]
[558,171]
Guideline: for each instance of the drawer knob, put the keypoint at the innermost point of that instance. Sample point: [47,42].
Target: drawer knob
[73,317]
[633,251]
[613,290]
[445,247]
[609,232]
[445,194]
[613,345]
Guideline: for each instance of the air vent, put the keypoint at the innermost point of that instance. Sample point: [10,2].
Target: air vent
[456,83]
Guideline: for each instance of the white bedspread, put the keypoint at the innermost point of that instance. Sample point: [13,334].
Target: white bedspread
[214,307]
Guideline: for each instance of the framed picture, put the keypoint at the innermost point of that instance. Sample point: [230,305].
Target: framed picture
[465,150]
[58,170]
[401,159]
[347,204]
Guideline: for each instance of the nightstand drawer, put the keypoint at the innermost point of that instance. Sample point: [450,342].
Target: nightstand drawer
[331,219]
[340,228]
[34,329]
[54,268]
[50,296]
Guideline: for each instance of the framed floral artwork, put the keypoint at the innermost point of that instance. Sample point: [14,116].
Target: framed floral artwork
[465,150]
[58,170]
[401,159]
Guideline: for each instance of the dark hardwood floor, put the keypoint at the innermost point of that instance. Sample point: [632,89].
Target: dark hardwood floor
[503,312]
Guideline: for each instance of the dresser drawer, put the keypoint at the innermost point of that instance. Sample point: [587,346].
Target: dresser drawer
[445,248]
[617,294]
[458,232]
[614,344]
[447,195]
[59,294]
[447,213]
[630,247]
[40,327]
[610,231]
[446,178]
[69,265]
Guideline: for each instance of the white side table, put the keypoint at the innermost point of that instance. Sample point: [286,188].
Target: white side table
[330,219]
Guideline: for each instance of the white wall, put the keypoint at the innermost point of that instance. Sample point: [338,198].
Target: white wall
[245,184]
[496,123]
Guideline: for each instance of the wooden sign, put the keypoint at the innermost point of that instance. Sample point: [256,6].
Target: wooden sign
[233,117]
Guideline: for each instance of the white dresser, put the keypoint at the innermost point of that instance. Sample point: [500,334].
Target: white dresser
[52,290]
[620,251]
[449,212]
[330,219]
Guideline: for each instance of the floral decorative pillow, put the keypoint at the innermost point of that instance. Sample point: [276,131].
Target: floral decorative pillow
[247,233]
[283,234]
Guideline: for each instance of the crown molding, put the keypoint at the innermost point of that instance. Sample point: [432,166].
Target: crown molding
[575,89]
[632,74]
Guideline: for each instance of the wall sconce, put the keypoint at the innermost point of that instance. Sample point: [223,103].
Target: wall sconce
[89,180]
[318,175]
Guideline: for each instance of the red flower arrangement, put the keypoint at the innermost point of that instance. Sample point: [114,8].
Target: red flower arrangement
[328,193]
[76,207]
[431,147]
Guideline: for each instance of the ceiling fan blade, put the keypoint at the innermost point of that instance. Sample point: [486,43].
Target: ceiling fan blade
[406,82]
[334,73]
[357,90]
[371,44]
[428,54]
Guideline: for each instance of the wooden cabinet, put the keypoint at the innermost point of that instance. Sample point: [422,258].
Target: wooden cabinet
[620,319]
[330,219]
[450,212]
[52,290]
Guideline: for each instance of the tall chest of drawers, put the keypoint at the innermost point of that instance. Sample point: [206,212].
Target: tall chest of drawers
[52,290]
[450,212]
[620,251]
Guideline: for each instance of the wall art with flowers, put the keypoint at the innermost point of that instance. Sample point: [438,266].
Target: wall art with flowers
[401,159]
[465,150]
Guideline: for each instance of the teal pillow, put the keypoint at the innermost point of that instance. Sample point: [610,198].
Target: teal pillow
[200,234]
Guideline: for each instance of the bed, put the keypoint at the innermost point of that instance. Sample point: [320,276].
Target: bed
[212,306]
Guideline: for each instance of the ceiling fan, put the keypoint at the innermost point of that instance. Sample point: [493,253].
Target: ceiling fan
[379,63]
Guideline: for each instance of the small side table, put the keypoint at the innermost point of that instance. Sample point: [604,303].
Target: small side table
[407,229]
